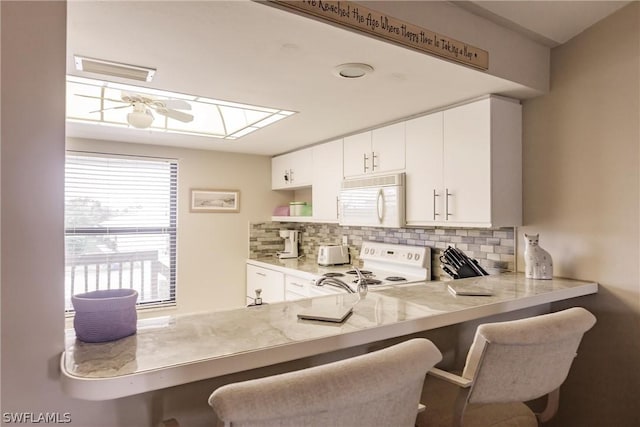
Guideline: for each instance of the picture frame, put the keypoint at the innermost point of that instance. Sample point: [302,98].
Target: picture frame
[221,201]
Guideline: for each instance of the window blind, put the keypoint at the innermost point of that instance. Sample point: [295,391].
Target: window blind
[120,226]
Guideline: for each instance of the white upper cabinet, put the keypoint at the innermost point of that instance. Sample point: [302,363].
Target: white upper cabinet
[388,148]
[292,170]
[357,154]
[327,179]
[467,163]
[380,150]
[424,169]
[475,178]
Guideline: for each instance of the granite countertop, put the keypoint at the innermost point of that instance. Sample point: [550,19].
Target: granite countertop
[178,349]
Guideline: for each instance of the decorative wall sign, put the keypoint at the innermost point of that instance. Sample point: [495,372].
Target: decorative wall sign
[369,21]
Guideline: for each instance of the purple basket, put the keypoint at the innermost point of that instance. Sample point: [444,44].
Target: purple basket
[105,315]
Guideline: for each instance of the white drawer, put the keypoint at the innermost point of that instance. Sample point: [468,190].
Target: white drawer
[297,286]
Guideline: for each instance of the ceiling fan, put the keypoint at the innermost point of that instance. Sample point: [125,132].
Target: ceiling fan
[141,116]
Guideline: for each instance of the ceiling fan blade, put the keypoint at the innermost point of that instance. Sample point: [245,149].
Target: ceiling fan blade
[98,97]
[110,108]
[174,114]
[176,104]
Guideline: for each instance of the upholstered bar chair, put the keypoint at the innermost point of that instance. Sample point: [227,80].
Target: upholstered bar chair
[509,363]
[381,388]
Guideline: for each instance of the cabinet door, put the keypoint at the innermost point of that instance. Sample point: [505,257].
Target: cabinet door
[291,170]
[424,189]
[301,168]
[388,148]
[357,154]
[327,178]
[279,170]
[270,281]
[467,162]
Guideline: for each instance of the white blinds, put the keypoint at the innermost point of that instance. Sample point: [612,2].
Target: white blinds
[120,225]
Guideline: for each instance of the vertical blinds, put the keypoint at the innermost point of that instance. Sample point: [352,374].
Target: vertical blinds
[120,226]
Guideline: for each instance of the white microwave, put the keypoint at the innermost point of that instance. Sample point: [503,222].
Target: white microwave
[376,201]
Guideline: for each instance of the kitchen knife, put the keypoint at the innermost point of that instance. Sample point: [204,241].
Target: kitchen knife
[448,271]
[484,272]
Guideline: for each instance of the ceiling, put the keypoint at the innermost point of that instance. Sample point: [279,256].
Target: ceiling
[551,23]
[247,52]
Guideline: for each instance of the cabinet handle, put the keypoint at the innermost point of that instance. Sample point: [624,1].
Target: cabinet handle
[365,158]
[291,175]
[446,204]
[338,208]
[261,274]
[373,161]
[286,176]
[297,284]
[435,214]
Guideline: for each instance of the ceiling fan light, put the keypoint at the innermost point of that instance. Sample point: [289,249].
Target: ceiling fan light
[139,119]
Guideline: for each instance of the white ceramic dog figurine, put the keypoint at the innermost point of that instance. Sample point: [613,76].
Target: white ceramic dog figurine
[537,261]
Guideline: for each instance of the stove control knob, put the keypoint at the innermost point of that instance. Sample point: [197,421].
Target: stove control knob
[409,255]
[366,250]
[417,257]
[373,251]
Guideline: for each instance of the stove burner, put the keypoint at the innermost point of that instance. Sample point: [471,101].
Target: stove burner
[369,281]
[330,274]
[395,278]
[365,272]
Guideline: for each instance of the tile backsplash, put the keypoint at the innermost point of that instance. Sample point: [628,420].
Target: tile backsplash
[493,248]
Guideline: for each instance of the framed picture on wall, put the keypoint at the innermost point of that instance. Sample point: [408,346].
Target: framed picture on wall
[215,200]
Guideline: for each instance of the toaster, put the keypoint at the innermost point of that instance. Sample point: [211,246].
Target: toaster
[333,255]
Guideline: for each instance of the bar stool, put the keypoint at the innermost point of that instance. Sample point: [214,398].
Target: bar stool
[508,363]
[379,388]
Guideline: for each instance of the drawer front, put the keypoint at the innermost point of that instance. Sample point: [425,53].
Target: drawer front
[297,286]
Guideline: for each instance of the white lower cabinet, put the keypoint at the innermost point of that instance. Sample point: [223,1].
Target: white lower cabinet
[296,288]
[270,281]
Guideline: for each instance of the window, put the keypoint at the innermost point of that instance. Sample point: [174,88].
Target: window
[120,226]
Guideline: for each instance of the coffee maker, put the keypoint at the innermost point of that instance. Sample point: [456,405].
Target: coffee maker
[291,238]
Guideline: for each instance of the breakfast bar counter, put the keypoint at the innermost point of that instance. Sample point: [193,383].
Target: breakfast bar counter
[173,350]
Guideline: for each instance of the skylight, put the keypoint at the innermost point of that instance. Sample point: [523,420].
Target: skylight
[100,102]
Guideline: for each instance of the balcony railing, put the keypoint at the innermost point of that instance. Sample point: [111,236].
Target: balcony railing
[140,270]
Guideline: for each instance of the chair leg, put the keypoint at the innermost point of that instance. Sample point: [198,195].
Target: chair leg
[553,401]
[460,406]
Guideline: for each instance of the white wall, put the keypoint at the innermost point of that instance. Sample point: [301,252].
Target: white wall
[32,161]
[32,107]
[582,194]
[212,247]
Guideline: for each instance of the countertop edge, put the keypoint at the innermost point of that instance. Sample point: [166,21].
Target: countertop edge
[131,384]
